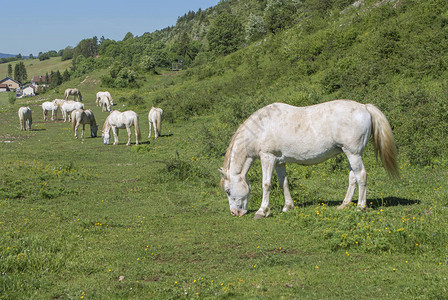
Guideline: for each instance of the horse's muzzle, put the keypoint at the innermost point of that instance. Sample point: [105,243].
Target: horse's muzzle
[238,212]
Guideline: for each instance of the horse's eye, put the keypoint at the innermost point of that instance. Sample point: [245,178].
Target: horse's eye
[228,192]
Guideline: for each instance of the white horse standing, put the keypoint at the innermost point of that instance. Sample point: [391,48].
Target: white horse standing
[155,117]
[49,106]
[104,94]
[58,103]
[104,103]
[69,106]
[120,120]
[80,116]
[75,92]
[25,117]
[281,133]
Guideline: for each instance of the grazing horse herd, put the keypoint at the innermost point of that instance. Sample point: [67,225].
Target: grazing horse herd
[74,111]
[276,134]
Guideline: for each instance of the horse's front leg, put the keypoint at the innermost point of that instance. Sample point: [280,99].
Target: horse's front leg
[128,129]
[267,167]
[115,131]
[283,181]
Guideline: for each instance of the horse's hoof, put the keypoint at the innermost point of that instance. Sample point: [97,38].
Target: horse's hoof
[341,207]
[258,216]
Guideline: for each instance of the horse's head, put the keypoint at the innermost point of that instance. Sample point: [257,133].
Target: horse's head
[237,189]
[93,130]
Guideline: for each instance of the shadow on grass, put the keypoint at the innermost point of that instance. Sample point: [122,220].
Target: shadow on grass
[371,203]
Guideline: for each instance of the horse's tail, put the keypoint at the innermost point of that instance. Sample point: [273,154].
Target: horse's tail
[383,140]
[138,134]
[80,96]
[159,123]
[66,95]
[74,118]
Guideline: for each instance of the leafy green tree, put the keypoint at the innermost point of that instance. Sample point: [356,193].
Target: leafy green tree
[9,71]
[128,36]
[86,48]
[225,34]
[31,56]
[20,73]
[55,78]
[279,14]
[147,63]
[255,28]
[67,53]
[66,76]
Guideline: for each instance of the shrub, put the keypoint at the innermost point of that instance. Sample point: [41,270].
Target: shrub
[12,98]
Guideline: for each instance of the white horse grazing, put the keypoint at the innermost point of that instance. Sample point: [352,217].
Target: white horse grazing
[155,117]
[49,106]
[101,94]
[119,120]
[68,107]
[281,133]
[80,116]
[104,103]
[59,103]
[75,92]
[25,117]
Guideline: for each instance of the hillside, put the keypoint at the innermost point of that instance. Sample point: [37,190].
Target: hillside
[7,55]
[393,54]
[35,67]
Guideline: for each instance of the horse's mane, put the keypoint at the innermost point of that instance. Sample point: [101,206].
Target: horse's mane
[228,155]
[105,123]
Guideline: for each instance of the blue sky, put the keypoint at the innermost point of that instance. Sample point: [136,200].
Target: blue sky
[41,26]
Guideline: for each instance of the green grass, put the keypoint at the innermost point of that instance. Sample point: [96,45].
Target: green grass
[79,219]
[35,67]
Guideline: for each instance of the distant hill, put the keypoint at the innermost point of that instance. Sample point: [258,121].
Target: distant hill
[4,55]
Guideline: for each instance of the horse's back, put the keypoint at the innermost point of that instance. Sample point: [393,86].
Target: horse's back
[309,133]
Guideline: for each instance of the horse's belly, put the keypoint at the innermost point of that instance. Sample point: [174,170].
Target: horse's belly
[309,158]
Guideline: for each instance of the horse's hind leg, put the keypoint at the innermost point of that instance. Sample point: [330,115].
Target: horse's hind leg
[350,190]
[283,181]
[358,173]
[128,129]
[149,135]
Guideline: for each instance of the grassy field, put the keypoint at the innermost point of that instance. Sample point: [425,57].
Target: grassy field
[35,67]
[82,220]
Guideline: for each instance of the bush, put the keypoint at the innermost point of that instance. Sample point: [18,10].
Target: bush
[12,98]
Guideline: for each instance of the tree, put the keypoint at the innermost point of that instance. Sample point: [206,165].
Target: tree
[86,48]
[225,34]
[128,36]
[147,63]
[31,56]
[255,28]
[279,14]
[56,78]
[9,71]
[67,53]
[66,76]
[20,72]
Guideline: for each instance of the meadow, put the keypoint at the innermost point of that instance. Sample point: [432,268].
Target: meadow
[82,220]
[35,67]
